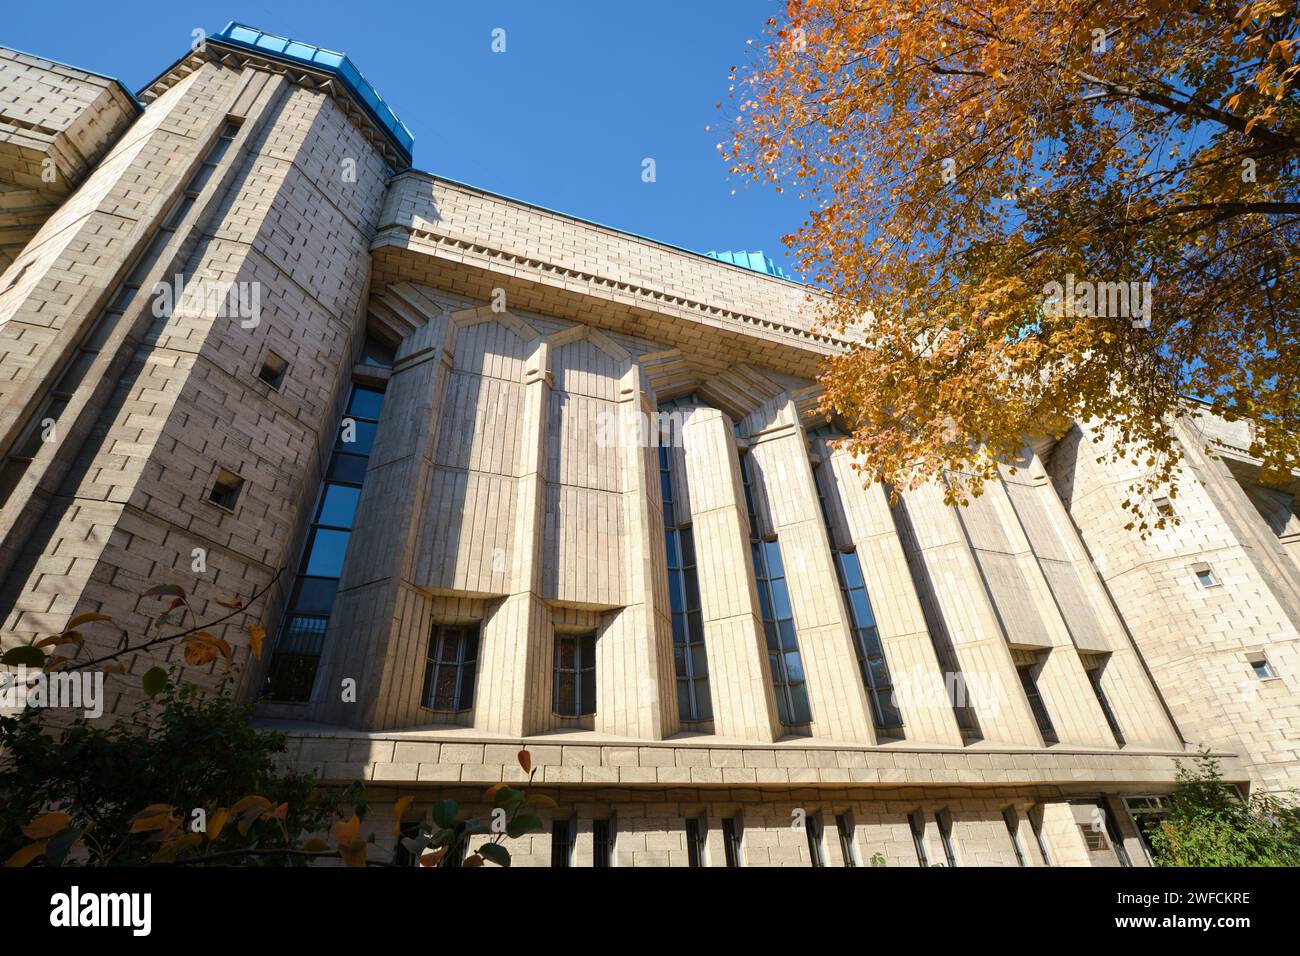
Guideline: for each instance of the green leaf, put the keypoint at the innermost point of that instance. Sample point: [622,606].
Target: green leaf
[154,681]
[495,853]
[506,796]
[445,813]
[524,823]
[28,655]
[416,845]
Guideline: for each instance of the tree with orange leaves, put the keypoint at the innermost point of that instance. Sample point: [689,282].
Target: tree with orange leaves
[1040,212]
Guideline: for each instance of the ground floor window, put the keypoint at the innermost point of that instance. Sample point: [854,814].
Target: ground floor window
[575,674]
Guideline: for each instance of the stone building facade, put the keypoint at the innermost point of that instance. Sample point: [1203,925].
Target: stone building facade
[498,476]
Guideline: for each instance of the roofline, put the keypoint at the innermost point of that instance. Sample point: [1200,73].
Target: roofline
[130,97]
[621,232]
[404,149]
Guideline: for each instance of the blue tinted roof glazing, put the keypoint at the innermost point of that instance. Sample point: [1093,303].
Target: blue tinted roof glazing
[239,34]
[751,260]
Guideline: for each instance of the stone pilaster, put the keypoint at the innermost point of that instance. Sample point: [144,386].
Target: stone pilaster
[781,470]
[744,705]
[900,621]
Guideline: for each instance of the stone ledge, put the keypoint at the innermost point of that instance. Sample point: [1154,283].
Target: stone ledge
[575,759]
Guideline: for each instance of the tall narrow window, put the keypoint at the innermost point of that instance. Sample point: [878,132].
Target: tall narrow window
[783,655]
[1036,824]
[1116,838]
[731,840]
[689,659]
[916,823]
[695,841]
[844,827]
[575,674]
[562,833]
[812,829]
[1094,678]
[944,822]
[1013,831]
[302,633]
[42,427]
[450,668]
[866,637]
[602,840]
[1041,717]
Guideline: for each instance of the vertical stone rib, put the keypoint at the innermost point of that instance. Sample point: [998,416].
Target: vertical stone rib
[513,696]
[744,705]
[635,686]
[839,702]
[900,621]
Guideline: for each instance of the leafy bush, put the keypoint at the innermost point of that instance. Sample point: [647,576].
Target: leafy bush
[1208,824]
[194,751]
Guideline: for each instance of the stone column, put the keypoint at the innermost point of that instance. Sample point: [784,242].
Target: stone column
[900,621]
[784,477]
[1076,715]
[744,704]
[514,660]
[635,681]
[943,561]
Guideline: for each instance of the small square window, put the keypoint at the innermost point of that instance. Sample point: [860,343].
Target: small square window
[273,370]
[1165,508]
[225,489]
[1260,665]
[1205,576]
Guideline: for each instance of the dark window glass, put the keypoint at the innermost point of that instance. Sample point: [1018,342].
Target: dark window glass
[602,835]
[366,404]
[377,353]
[303,635]
[450,668]
[845,830]
[917,824]
[871,654]
[359,438]
[350,469]
[812,829]
[784,659]
[695,841]
[1013,831]
[575,674]
[561,842]
[1036,824]
[338,506]
[326,547]
[944,824]
[325,553]
[1036,704]
[315,595]
[1116,840]
[690,661]
[1094,678]
[731,841]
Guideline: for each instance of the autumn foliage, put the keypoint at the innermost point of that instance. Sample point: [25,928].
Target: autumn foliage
[964,162]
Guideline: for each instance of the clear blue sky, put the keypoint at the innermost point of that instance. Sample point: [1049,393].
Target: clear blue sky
[583,93]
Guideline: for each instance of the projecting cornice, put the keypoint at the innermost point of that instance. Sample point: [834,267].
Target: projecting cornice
[450,236]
